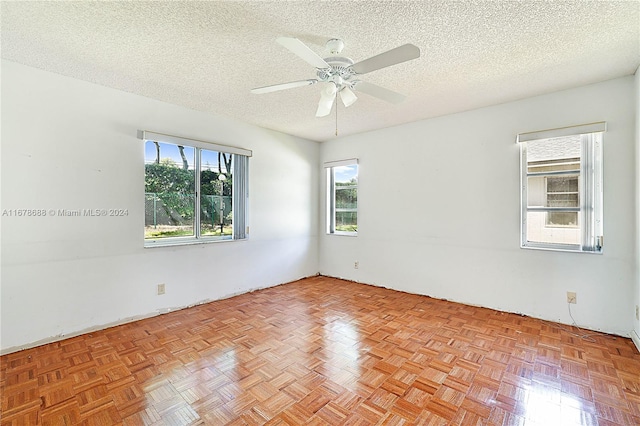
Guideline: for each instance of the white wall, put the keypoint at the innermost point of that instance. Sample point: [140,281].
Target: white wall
[69,144]
[439,209]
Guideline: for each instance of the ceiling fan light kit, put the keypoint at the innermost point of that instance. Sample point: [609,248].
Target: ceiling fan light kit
[340,73]
[327,95]
[347,96]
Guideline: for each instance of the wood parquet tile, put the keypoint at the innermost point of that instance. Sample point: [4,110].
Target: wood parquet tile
[323,351]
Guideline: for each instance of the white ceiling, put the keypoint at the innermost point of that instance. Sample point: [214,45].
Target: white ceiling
[208,55]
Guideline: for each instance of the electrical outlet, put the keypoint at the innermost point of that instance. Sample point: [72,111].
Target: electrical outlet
[356,265]
[160,289]
[572,297]
[637,312]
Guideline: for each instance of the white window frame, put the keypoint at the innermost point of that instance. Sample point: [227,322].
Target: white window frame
[331,196]
[240,194]
[590,211]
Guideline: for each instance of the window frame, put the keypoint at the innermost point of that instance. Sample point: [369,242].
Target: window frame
[331,196]
[590,188]
[239,196]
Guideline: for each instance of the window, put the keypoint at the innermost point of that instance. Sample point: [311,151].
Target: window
[194,191]
[342,197]
[561,184]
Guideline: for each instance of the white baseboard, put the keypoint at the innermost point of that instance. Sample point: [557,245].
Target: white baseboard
[160,311]
[636,339]
[77,333]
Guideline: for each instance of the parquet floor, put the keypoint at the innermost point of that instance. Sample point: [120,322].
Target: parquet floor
[326,352]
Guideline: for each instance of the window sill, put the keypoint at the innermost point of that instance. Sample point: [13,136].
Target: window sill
[343,234]
[187,242]
[561,249]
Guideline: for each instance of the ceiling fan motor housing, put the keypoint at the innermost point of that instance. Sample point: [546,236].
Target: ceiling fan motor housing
[339,71]
[335,46]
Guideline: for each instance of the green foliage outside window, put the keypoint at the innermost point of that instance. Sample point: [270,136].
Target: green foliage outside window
[170,200]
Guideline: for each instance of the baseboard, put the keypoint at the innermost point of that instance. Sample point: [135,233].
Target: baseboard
[4,351]
[88,330]
[636,339]
[72,334]
[161,311]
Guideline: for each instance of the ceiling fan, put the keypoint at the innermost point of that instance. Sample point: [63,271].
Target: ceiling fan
[340,74]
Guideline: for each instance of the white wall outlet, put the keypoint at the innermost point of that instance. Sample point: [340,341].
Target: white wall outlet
[572,297]
[160,289]
[637,312]
[356,264]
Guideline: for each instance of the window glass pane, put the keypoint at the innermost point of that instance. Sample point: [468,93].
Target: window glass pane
[548,185]
[216,189]
[539,230]
[346,221]
[557,154]
[562,191]
[169,190]
[555,191]
[346,198]
[346,175]
[562,200]
[562,184]
[536,195]
[562,219]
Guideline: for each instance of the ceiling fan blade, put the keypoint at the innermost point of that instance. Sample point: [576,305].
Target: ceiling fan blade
[327,96]
[395,56]
[303,51]
[347,96]
[379,92]
[283,86]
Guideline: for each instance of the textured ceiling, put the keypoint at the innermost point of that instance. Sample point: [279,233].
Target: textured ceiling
[208,55]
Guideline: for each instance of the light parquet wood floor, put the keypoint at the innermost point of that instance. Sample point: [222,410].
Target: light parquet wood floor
[326,352]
